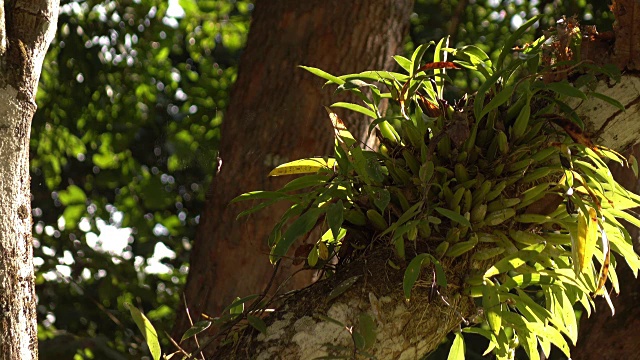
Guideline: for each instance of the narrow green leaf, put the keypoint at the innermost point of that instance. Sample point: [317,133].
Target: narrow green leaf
[335,217]
[633,162]
[453,216]
[510,42]
[303,166]
[196,329]
[437,56]
[408,215]
[416,58]
[300,226]
[607,99]
[502,97]
[566,89]
[257,323]
[357,108]
[514,260]
[562,306]
[306,181]
[260,195]
[403,62]
[324,75]
[239,302]
[342,287]
[478,103]
[147,330]
[457,348]
[412,273]
[491,305]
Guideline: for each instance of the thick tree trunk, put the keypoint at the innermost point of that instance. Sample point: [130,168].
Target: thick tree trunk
[276,115]
[26,30]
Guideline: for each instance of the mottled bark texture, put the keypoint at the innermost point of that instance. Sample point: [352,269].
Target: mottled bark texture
[315,323]
[26,30]
[276,114]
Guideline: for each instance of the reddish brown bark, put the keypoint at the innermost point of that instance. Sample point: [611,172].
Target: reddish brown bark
[276,113]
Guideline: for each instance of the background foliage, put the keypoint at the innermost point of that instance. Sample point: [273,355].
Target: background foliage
[124,147]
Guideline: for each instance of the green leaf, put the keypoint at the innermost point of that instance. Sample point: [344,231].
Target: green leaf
[502,97]
[453,216]
[523,280]
[408,215]
[437,56]
[412,273]
[257,323]
[238,303]
[491,306]
[335,218]
[583,243]
[260,195]
[514,260]
[561,305]
[510,42]
[303,166]
[357,108]
[416,58]
[147,330]
[324,75]
[305,182]
[607,99]
[457,348]
[633,162]
[72,195]
[196,329]
[478,103]
[403,62]
[566,89]
[344,286]
[300,226]
[368,329]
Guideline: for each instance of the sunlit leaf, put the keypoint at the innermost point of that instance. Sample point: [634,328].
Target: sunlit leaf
[457,350]
[303,166]
[514,260]
[147,330]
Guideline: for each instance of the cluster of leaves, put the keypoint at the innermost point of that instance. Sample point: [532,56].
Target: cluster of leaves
[503,181]
[487,24]
[124,145]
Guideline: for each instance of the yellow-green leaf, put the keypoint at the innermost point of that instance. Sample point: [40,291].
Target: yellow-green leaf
[584,241]
[303,166]
[147,330]
[457,348]
[491,305]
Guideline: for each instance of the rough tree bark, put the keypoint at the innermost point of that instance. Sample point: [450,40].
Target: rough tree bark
[276,115]
[26,30]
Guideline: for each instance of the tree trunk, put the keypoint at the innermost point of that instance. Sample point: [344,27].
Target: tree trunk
[26,30]
[276,115]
